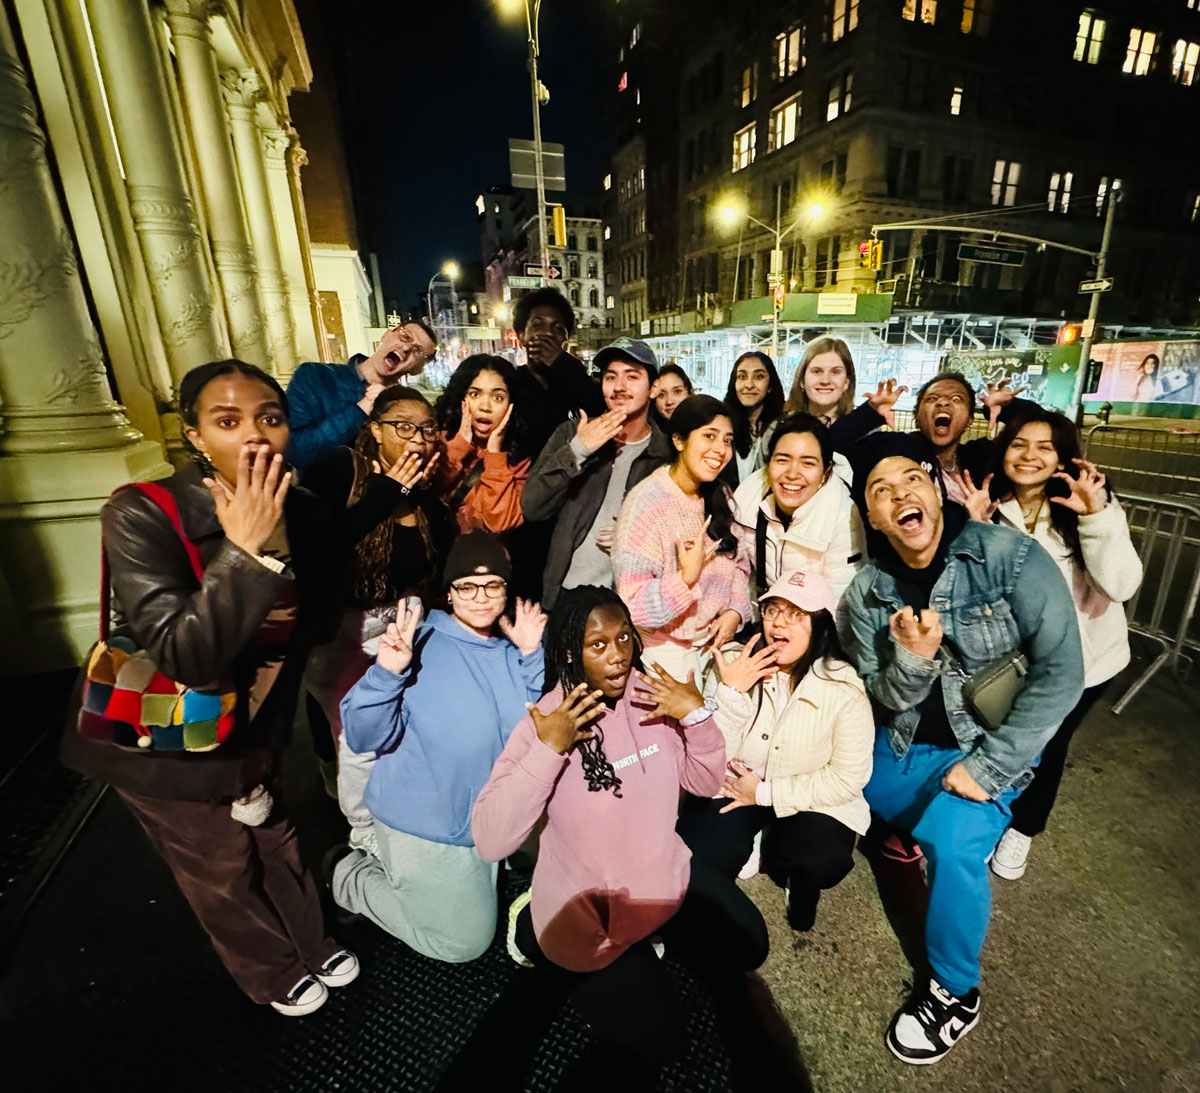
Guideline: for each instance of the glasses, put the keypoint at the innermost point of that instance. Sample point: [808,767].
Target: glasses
[410,343]
[776,612]
[469,590]
[957,400]
[408,429]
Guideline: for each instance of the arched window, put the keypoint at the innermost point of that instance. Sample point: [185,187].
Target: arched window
[594,298]
[591,240]
[591,268]
[572,242]
[573,267]
[575,295]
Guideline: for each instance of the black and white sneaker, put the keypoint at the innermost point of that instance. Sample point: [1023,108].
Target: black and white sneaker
[339,970]
[307,995]
[930,1023]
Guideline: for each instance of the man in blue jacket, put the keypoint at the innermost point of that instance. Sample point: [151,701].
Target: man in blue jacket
[328,403]
[942,598]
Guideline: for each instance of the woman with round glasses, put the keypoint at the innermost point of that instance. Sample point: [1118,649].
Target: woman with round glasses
[484,473]
[436,709]
[798,734]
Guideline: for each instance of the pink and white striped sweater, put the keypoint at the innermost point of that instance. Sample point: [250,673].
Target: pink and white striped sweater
[655,515]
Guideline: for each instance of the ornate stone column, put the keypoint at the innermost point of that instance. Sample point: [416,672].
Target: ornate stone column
[242,95]
[163,214]
[65,444]
[232,252]
[280,145]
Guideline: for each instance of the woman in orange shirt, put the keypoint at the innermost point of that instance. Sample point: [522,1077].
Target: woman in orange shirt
[484,472]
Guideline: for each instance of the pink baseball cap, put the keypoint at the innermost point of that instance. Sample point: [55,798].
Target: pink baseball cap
[808,591]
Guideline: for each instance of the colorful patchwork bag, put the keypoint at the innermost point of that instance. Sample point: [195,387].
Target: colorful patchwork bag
[127,701]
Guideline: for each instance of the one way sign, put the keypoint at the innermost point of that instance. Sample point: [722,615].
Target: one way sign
[1100,284]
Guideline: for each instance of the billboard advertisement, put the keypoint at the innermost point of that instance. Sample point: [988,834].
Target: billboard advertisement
[1150,373]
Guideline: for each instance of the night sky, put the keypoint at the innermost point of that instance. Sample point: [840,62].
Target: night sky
[430,94]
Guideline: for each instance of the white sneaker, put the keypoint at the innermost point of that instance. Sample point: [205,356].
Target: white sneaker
[1011,854]
[363,838]
[306,996]
[754,862]
[339,970]
[930,1023]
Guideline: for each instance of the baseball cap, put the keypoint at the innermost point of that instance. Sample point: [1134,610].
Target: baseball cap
[808,591]
[475,554]
[628,349]
[874,448]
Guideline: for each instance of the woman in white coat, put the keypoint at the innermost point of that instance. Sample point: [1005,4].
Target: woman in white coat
[796,513]
[1041,486]
[798,734]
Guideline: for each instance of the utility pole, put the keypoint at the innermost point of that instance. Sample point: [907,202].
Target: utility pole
[776,276]
[1075,410]
[532,10]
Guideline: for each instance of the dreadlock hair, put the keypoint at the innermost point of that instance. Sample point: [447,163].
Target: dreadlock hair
[744,434]
[192,386]
[692,414]
[564,665]
[373,554]
[449,404]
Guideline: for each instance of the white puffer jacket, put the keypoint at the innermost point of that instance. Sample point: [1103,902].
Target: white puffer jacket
[825,534]
[1109,576]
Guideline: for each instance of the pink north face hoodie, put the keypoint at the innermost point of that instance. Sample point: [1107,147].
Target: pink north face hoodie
[611,870]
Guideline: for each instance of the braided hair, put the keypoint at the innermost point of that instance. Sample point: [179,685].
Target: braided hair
[564,665]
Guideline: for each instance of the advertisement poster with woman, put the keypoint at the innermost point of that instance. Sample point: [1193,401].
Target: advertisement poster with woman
[1149,372]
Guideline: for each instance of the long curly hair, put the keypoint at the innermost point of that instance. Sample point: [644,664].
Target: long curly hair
[448,407]
[772,403]
[563,640]
[372,583]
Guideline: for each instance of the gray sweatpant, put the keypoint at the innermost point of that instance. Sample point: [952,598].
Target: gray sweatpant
[438,899]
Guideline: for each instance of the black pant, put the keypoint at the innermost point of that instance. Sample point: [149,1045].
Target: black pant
[806,852]
[632,1006]
[1031,809]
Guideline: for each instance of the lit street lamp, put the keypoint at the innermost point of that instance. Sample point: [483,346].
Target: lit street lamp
[541,96]
[733,213]
[450,272]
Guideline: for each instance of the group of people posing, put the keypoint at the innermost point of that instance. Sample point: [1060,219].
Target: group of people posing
[650,641]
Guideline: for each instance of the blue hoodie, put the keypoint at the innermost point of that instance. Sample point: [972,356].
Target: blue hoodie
[439,726]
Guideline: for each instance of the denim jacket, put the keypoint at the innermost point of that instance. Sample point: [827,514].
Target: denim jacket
[999,590]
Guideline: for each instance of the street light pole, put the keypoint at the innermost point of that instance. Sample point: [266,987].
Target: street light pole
[532,11]
[1075,410]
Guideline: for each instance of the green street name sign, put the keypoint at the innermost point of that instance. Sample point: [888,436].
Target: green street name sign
[998,256]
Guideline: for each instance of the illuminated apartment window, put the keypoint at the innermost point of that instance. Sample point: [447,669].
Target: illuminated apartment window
[840,92]
[1195,209]
[1102,192]
[926,10]
[1058,200]
[789,52]
[608,182]
[607,232]
[843,18]
[635,35]
[1183,62]
[1139,51]
[1005,176]
[749,89]
[623,82]
[480,205]
[1089,37]
[976,17]
[641,178]
[785,119]
[743,147]
[956,102]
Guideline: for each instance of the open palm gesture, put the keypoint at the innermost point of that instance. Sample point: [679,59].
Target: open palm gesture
[396,645]
[525,629]
[884,400]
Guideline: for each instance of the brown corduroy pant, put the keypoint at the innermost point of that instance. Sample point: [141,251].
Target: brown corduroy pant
[247,886]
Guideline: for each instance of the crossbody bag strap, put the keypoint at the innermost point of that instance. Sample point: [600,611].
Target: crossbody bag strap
[466,485]
[760,552]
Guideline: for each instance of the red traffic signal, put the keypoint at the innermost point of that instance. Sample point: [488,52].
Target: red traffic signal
[1069,333]
[779,296]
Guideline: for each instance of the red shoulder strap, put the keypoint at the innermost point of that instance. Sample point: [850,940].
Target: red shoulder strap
[165,500]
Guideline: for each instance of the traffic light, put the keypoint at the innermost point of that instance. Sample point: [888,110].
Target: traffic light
[778,297]
[1069,333]
[876,253]
[870,254]
[559,232]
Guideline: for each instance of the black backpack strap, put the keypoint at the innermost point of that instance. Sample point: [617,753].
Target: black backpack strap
[760,552]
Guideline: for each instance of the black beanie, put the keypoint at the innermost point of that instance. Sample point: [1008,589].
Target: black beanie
[475,554]
[876,447]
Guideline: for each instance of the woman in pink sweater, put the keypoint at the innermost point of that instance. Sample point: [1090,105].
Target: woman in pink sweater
[677,562]
[599,763]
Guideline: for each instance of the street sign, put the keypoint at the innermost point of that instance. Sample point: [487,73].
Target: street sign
[1099,284]
[523,168]
[553,272]
[525,282]
[997,256]
[837,303]
[532,270]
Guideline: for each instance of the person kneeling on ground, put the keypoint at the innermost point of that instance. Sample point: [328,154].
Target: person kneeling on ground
[437,708]
[603,776]
[944,598]
[798,733]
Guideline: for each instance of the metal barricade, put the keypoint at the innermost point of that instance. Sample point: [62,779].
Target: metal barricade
[1148,459]
[1166,532]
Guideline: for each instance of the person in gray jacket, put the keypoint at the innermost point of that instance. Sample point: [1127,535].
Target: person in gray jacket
[589,465]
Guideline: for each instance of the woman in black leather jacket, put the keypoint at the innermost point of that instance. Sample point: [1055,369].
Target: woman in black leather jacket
[267,550]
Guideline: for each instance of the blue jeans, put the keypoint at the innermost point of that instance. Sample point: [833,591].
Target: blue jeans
[956,836]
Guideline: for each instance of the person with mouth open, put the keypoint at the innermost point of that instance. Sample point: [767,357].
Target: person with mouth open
[943,598]
[583,474]
[485,471]
[330,402]
[597,766]
[677,561]
[798,734]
